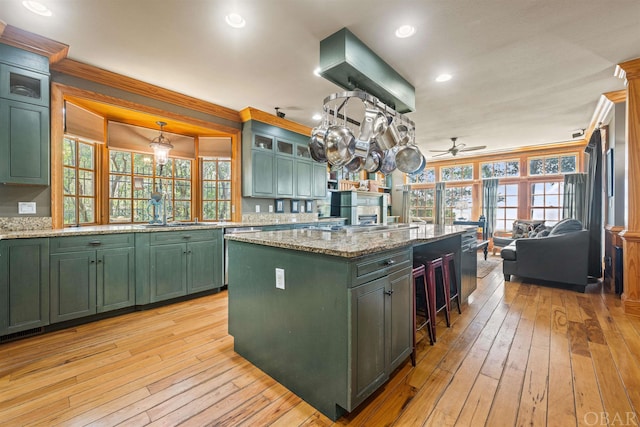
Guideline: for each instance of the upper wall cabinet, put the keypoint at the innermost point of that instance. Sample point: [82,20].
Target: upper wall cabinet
[276,163]
[24,117]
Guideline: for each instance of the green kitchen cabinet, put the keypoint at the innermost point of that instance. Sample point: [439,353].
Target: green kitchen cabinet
[284,177]
[171,264]
[337,327]
[91,274]
[168,271]
[262,174]
[24,284]
[319,190]
[24,143]
[24,117]
[276,163]
[304,178]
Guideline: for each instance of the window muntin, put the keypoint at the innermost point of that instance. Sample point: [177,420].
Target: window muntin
[502,169]
[458,203]
[422,204]
[79,181]
[546,201]
[428,176]
[456,173]
[507,207]
[216,189]
[134,176]
[553,165]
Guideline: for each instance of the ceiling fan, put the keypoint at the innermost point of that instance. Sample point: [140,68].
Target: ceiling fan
[455,149]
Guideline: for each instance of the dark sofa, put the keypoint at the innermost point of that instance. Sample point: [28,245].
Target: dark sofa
[561,257]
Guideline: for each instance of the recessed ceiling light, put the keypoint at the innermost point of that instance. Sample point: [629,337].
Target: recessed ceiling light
[405,31]
[317,116]
[317,71]
[234,20]
[443,78]
[37,8]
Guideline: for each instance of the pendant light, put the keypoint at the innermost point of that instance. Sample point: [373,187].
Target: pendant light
[161,146]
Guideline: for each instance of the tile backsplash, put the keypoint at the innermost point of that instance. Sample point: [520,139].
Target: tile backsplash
[16,223]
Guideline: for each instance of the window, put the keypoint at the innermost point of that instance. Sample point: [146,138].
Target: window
[458,203]
[427,176]
[132,179]
[456,173]
[552,165]
[216,189]
[546,201]
[422,204]
[79,181]
[507,211]
[509,168]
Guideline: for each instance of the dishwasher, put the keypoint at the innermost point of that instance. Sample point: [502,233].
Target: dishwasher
[235,230]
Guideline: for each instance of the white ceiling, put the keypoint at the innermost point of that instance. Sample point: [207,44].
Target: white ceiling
[525,72]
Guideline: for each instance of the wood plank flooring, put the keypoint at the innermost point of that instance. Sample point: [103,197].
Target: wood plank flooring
[519,354]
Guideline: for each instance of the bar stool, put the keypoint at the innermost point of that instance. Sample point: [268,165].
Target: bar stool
[433,266]
[417,273]
[449,262]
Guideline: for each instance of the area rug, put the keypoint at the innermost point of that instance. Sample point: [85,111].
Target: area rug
[486,266]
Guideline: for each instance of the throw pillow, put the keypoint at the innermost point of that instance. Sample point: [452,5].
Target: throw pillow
[567,225]
[543,233]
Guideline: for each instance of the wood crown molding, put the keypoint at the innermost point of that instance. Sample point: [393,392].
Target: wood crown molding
[631,68]
[22,39]
[128,84]
[617,96]
[614,228]
[251,113]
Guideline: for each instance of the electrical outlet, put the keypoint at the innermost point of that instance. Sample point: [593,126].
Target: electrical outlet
[279,278]
[257,208]
[26,208]
[270,208]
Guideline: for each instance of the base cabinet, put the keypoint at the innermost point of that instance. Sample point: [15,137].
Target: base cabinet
[85,280]
[24,284]
[381,328]
[336,331]
[172,264]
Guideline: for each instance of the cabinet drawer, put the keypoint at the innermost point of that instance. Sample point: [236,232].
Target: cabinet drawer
[167,237]
[94,241]
[382,264]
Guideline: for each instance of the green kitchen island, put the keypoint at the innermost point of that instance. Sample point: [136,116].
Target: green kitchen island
[328,313]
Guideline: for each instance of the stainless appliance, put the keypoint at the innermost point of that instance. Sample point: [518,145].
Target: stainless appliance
[357,206]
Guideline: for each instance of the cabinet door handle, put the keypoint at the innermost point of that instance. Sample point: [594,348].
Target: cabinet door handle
[99,261]
[389,292]
[95,243]
[186,237]
[390,262]
[184,252]
[188,252]
[93,261]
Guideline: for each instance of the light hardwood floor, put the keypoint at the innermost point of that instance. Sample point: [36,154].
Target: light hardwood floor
[518,355]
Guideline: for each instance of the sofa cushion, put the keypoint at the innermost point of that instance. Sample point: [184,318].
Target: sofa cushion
[567,225]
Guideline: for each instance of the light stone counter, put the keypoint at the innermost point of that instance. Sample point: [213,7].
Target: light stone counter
[350,244]
[39,230]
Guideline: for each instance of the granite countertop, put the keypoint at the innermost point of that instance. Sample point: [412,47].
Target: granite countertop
[350,244]
[141,228]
